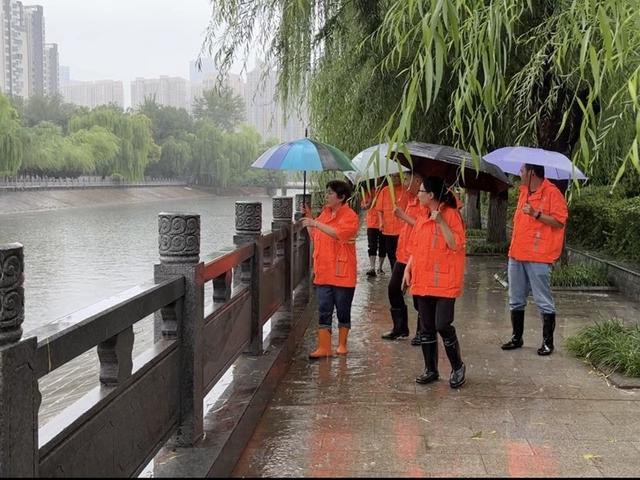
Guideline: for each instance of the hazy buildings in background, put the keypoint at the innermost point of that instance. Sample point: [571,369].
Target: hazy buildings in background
[94,94]
[262,111]
[167,91]
[64,75]
[27,63]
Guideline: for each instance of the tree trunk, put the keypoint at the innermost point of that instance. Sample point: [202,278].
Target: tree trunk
[497,218]
[472,209]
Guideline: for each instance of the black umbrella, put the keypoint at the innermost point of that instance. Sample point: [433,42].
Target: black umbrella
[446,162]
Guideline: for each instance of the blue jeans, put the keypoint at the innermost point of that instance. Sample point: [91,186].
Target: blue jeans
[534,277]
[330,297]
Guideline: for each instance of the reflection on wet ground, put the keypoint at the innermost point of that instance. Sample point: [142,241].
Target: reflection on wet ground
[518,414]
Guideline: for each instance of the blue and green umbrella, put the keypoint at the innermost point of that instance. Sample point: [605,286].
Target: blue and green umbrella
[304,155]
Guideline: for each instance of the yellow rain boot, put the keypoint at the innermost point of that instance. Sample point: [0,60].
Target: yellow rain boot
[324,344]
[343,333]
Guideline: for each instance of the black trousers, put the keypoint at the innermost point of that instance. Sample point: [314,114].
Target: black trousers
[396,297]
[376,243]
[436,315]
[391,243]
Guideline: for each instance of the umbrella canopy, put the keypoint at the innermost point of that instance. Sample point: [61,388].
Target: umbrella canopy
[304,155]
[556,165]
[448,162]
[372,163]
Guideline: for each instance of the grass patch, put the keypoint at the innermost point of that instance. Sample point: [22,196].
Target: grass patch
[475,246]
[610,346]
[579,275]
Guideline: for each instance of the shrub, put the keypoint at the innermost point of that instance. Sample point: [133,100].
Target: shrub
[625,240]
[579,275]
[610,346]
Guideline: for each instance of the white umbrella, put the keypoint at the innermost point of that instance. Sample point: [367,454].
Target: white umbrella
[372,163]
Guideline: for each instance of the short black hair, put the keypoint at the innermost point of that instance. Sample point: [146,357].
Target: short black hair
[538,170]
[341,188]
[440,190]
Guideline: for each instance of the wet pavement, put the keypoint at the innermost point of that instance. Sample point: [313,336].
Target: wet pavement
[517,415]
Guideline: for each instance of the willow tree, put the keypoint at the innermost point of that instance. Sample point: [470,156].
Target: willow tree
[560,74]
[11,144]
[137,147]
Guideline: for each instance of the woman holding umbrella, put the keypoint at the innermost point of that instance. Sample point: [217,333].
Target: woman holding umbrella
[334,265]
[435,273]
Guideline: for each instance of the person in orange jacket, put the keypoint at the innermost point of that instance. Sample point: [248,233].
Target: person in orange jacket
[399,311]
[333,235]
[536,243]
[390,224]
[435,273]
[375,240]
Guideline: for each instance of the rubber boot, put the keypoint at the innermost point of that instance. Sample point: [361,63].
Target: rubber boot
[517,324]
[430,354]
[396,317]
[324,344]
[372,271]
[548,326]
[343,333]
[458,370]
[415,341]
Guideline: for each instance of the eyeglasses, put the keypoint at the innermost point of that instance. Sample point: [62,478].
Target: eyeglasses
[422,190]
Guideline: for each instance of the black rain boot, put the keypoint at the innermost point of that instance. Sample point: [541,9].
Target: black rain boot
[548,326]
[415,341]
[396,316]
[517,324]
[458,370]
[404,322]
[430,353]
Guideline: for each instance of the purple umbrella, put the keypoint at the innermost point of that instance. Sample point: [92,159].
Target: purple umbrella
[556,165]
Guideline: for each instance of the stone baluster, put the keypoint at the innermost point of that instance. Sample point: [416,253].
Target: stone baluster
[282,218]
[179,249]
[19,394]
[248,230]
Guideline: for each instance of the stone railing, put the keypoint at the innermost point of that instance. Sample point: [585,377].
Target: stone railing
[142,404]
[49,183]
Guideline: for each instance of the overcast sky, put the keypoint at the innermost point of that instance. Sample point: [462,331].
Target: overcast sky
[124,39]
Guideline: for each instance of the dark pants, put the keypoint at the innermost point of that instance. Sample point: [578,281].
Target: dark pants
[330,297]
[377,246]
[391,244]
[436,315]
[396,296]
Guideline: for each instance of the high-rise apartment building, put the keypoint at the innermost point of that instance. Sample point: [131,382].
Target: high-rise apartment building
[199,72]
[234,82]
[94,94]
[15,49]
[51,69]
[34,24]
[167,91]
[64,75]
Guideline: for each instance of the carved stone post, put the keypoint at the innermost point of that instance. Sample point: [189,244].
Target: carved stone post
[248,230]
[179,248]
[19,394]
[302,200]
[282,214]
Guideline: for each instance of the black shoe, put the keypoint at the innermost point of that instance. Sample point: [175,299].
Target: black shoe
[399,329]
[457,377]
[371,273]
[517,325]
[548,326]
[380,271]
[427,377]
[415,341]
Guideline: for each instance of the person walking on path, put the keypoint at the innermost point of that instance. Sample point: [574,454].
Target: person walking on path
[375,240]
[333,235]
[390,224]
[435,273]
[536,243]
[399,311]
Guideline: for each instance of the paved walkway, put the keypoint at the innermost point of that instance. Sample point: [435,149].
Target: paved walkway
[518,414]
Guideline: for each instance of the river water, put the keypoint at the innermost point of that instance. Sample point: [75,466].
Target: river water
[78,256]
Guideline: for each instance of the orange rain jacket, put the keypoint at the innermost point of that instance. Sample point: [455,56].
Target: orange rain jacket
[436,270]
[532,240]
[334,261]
[372,214]
[392,225]
[414,210]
